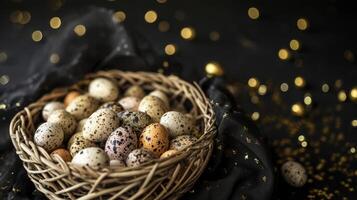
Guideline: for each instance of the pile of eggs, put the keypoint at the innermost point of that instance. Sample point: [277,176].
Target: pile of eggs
[98,129]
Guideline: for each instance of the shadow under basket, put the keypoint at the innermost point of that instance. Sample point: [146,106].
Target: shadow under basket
[167,178]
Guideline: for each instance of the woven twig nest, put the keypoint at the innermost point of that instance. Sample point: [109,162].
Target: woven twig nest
[159,179]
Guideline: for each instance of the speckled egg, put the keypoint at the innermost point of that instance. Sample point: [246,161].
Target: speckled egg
[103,89]
[100,125]
[182,141]
[294,173]
[155,138]
[138,157]
[162,96]
[114,106]
[50,107]
[82,106]
[70,96]
[63,153]
[77,142]
[136,120]
[130,103]
[153,106]
[80,125]
[120,143]
[93,157]
[177,123]
[49,136]
[66,120]
[168,153]
[135,91]
[117,163]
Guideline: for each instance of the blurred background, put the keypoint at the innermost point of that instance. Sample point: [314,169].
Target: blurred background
[290,64]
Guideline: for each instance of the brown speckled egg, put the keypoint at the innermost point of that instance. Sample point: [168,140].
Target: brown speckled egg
[135,91]
[168,153]
[103,89]
[182,141]
[80,125]
[130,103]
[82,106]
[77,142]
[136,120]
[100,125]
[117,163]
[153,106]
[49,136]
[93,157]
[294,173]
[162,96]
[66,120]
[70,96]
[63,153]
[120,143]
[50,107]
[138,157]
[177,123]
[114,106]
[155,138]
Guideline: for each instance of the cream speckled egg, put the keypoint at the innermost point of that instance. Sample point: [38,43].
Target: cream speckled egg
[66,120]
[80,125]
[294,173]
[182,141]
[100,125]
[177,123]
[93,157]
[120,143]
[49,136]
[162,96]
[114,106]
[63,153]
[82,106]
[77,142]
[117,163]
[153,106]
[168,153]
[135,91]
[136,120]
[155,138]
[103,89]
[138,157]
[50,107]
[130,103]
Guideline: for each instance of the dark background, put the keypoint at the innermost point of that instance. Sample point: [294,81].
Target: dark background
[246,48]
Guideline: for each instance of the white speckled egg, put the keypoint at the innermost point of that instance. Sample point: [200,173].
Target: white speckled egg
[182,141]
[177,123]
[120,143]
[117,163]
[155,138]
[162,96]
[153,106]
[294,173]
[130,103]
[80,125]
[82,106]
[66,120]
[114,106]
[168,153]
[50,107]
[77,142]
[100,125]
[136,120]
[49,136]
[93,157]
[135,91]
[138,157]
[103,89]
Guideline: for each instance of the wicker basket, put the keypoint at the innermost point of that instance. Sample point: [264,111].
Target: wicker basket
[159,179]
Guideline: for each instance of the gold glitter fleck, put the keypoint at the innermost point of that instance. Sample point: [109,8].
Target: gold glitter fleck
[37,36]
[307,100]
[294,44]
[262,90]
[188,33]
[170,49]
[213,68]
[283,54]
[304,144]
[4,79]
[349,56]
[325,88]
[354,123]
[214,36]
[119,16]
[342,96]
[55,22]
[253,13]
[3,57]
[302,24]
[150,16]
[284,87]
[300,82]
[54,58]
[80,30]
[297,109]
[255,116]
[353,94]
[301,138]
[164,26]
[253,82]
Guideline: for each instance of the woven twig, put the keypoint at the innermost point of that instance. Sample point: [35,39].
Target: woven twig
[159,179]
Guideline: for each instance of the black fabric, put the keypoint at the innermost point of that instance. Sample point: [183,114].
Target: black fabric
[240,166]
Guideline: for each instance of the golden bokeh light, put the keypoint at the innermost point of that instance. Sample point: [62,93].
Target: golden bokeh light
[4,79]
[214,36]
[55,22]
[325,88]
[37,36]
[161,1]
[302,24]
[80,30]
[284,87]
[308,100]
[301,138]
[300,82]
[253,13]
[3,57]
[353,94]
[164,26]
[284,54]
[294,44]
[255,116]
[304,144]
[214,69]
[150,16]
[262,90]
[54,58]
[342,96]
[354,123]
[170,49]
[253,82]
[119,16]
[188,33]
[298,109]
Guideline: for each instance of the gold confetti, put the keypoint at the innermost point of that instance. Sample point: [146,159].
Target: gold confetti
[55,22]
[354,123]
[325,88]
[213,68]
[214,36]
[255,116]
[164,26]
[342,96]
[37,36]
[188,33]
[298,109]
[307,100]
[294,44]
[262,90]
[150,16]
[80,30]
[170,49]
[284,87]
[302,24]
[3,57]
[4,79]
[119,16]
[284,54]
[299,82]
[353,94]
[253,82]
[54,58]
[253,13]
